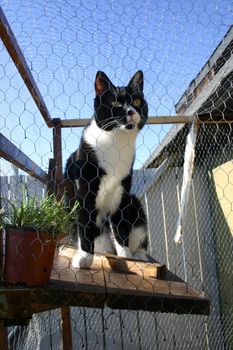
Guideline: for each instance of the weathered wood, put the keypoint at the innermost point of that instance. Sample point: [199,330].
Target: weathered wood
[55,186]
[37,308]
[1,254]
[15,156]
[112,262]
[144,293]
[51,185]
[100,286]
[3,336]
[66,328]
[57,150]
[141,268]
[17,56]
[176,119]
[127,290]
[97,288]
[15,305]
[179,119]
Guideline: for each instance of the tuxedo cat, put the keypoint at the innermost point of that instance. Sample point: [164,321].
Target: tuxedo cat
[98,175]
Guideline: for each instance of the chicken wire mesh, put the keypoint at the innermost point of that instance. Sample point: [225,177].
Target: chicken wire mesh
[65,43]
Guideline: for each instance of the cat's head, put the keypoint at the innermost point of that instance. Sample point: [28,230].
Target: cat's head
[120,107]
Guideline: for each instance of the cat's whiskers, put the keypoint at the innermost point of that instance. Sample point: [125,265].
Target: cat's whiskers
[112,123]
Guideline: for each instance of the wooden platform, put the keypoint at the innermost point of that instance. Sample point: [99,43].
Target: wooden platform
[112,281]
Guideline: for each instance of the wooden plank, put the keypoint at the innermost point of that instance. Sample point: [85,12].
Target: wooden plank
[1,254]
[34,187]
[133,291]
[3,336]
[112,262]
[57,150]
[37,308]
[144,293]
[66,328]
[17,56]
[51,177]
[177,119]
[15,305]
[141,268]
[74,287]
[15,156]
[100,286]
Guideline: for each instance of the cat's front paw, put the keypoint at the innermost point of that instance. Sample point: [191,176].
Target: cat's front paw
[140,255]
[82,260]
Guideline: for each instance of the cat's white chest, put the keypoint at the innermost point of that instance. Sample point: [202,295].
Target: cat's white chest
[108,197]
[115,153]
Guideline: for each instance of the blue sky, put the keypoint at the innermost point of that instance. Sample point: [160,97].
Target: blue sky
[66,41]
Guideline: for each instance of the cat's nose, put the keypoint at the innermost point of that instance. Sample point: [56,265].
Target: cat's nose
[130,113]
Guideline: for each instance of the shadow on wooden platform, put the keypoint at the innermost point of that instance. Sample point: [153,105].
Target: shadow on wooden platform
[115,282]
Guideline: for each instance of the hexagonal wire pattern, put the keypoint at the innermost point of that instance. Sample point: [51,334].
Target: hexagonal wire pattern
[64,43]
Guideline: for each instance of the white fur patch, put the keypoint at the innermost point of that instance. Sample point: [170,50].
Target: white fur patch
[108,198]
[82,259]
[115,149]
[122,251]
[115,152]
[136,238]
[104,244]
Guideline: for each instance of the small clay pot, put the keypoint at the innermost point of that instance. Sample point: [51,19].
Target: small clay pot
[28,257]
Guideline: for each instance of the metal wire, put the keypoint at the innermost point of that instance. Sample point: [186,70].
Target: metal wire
[185,52]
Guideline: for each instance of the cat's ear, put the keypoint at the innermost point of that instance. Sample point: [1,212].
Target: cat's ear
[136,82]
[102,83]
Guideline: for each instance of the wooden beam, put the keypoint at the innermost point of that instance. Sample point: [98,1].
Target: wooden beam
[1,252]
[15,156]
[125,290]
[69,123]
[207,118]
[15,305]
[112,262]
[145,293]
[66,328]
[17,56]
[3,336]
[137,267]
[51,184]
[57,151]
[100,286]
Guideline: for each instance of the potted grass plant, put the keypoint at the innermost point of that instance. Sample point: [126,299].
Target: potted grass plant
[32,230]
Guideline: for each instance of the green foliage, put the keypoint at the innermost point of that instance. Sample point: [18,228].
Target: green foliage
[46,215]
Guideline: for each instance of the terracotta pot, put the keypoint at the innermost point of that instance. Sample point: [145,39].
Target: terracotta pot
[28,257]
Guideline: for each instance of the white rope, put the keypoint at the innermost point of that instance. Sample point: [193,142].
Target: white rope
[189,156]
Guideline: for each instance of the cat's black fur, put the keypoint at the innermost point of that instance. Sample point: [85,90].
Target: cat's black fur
[105,159]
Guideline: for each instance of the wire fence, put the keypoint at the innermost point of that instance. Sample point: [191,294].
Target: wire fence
[50,54]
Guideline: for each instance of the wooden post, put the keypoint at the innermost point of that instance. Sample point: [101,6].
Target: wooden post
[51,177]
[57,149]
[3,336]
[66,328]
[58,179]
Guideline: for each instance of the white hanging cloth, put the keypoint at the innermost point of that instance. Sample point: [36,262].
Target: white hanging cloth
[189,156]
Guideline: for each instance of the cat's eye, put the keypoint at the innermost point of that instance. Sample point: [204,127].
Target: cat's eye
[137,102]
[116,104]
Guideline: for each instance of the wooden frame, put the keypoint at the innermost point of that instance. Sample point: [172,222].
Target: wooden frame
[15,156]
[129,288]
[176,119]
[16,54]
